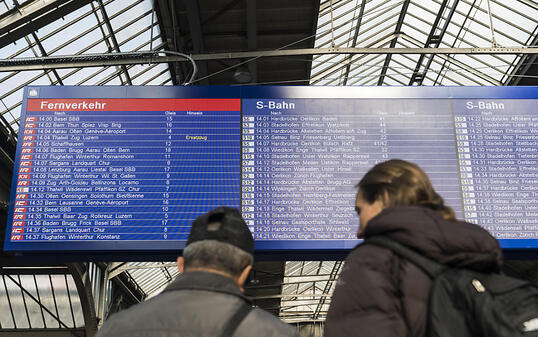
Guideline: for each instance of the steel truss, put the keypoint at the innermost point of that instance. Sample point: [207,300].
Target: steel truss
[115,59]
[60,305]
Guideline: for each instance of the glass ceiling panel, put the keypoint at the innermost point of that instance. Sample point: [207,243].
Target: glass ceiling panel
[307,288]
[417,29]
[453,66]
[162,79]
[328,68]
[134,41]
[363,65]
[113,8]
[90,76]
[151,277]
[127,30]
[514,25]
[5,5]
[428,17]
[99,47]
[115,80]
[76,24]
[404,67]
[143,73]
[367,73]
[39,301]
[378,16]
[17,48]
[81,32]
[392,79]
[11,92]
[124,13]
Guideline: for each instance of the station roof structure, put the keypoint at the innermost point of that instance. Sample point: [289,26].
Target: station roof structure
[234,42]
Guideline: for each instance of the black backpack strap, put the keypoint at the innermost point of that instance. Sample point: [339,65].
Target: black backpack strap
[236,319]
[429,266]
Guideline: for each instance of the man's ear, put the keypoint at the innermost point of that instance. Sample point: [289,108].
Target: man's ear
[243,277]
[180,264]
[385,199]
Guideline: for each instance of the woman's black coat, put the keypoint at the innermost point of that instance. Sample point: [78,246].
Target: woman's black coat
[380,294]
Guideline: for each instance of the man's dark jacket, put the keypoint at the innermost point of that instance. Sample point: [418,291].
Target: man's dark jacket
[380,294]
[195,304]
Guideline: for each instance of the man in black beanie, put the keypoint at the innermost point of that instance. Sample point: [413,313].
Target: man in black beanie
[207,297]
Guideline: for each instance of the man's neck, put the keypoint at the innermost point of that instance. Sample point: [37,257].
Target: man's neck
[211,270]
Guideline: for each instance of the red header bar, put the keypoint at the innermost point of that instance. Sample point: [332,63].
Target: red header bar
[134,104]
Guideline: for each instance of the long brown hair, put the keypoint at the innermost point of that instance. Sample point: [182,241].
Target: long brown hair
[405,184]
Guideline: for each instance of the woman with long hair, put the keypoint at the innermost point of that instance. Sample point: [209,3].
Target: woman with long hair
[381,294]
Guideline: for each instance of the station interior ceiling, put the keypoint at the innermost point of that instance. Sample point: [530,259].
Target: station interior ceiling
[236,43]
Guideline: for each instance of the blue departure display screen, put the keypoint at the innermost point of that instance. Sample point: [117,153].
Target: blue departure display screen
[303,160]
[130,168]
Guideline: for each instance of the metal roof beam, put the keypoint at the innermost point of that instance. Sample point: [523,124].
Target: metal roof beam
[56,332]
[291,296]
[167,20]
[524,64]
[33,15]
[112,37]
[365,72]
[103,60]
[195,27]
[115,270]
[328,27]
[334,273]
[25,292]
[284,284]
[44,53]
[81,277]
[393,42]
[469,43]
[252,38]
[320,35]
[304,321]
[60,270]
[512,21]
[98,72]
[432,40]
[457,37]
[332,68]
[475,32]
[462,65]
[73,38]
[223,10]
[354,43]
[335,3]
[530,3]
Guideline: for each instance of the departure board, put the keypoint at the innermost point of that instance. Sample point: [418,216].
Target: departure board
[115,170]
[303,157]
[130,168]
[498,152]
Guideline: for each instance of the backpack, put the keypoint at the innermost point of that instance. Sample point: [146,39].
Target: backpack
[468,303]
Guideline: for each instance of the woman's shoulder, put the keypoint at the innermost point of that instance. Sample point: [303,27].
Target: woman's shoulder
[370,256]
